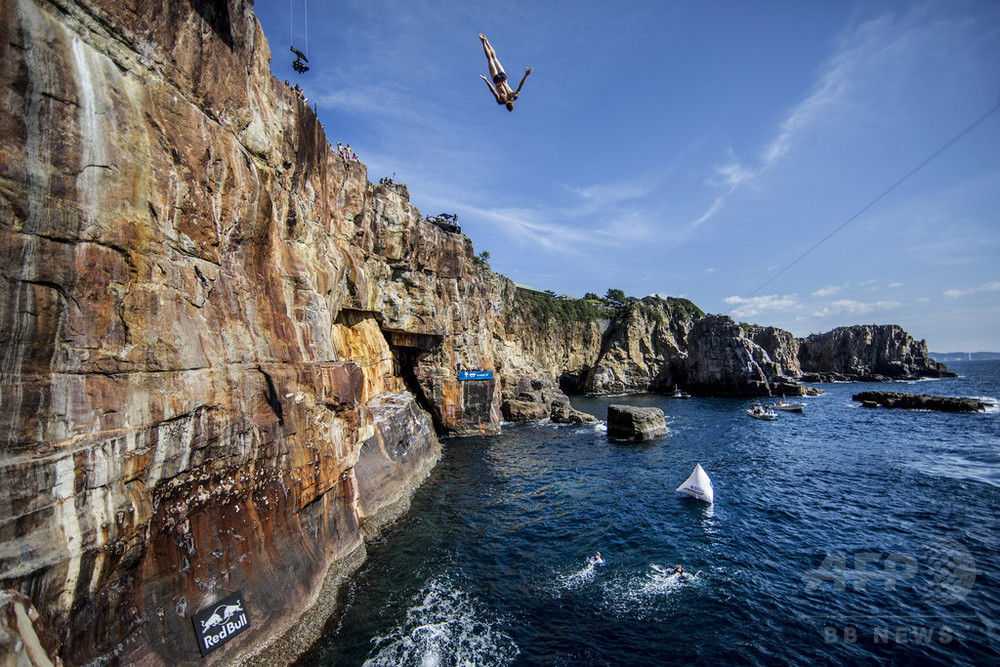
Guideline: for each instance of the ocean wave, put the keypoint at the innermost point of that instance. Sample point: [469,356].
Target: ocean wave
[444,626]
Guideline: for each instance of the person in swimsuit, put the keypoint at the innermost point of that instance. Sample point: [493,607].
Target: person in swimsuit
[501,90]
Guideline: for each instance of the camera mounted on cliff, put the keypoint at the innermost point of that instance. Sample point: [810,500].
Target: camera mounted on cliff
[299,65]
[300,61]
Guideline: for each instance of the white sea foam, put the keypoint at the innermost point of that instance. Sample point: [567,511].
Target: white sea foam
[639,594]
[444,626]
[662,580]
[577,579]
[990,402]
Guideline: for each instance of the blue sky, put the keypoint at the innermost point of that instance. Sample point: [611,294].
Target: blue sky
[689,148]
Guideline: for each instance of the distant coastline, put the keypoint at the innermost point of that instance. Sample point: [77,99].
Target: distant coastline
[945,357]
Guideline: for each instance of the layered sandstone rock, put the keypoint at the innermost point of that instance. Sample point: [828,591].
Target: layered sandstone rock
[220,340]
[24,639]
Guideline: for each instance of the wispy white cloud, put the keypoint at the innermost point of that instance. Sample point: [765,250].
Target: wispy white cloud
[712,210]
[752,306]
[829,290]
[852,307]
[993,286]
[599,216]
[622,226]
[607,194]
[862,55]
[529,226]
[732,174]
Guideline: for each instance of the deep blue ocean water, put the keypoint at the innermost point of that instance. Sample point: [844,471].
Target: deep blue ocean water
[840,535]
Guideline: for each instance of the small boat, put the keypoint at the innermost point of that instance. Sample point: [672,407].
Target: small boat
[787,407]
[698,485]
[759,412]
[679,394]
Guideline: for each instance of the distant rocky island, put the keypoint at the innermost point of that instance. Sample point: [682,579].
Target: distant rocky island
[655,344]
[229,356]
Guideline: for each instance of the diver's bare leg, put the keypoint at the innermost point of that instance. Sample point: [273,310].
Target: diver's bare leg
[491,56]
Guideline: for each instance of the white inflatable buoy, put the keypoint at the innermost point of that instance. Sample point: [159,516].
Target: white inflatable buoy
[698,485]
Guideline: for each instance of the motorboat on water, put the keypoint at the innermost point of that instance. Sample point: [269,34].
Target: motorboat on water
[760,412]
[678,393]
[786,406]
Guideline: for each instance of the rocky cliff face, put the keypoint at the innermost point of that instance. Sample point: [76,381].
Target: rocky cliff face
[866,353]
[600,350]
[644,348]
[540,344]
[550,346]
[224,350]
[724,359]
[657,344]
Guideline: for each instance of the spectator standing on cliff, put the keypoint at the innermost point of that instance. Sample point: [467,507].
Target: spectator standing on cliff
[501,90]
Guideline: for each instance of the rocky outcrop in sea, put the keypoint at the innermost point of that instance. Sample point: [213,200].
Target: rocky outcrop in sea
[628,423]
[655,345]
[907,401]
[867,353]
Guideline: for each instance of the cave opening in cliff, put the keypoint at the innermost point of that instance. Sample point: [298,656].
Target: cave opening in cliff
[405,361]
[408,351]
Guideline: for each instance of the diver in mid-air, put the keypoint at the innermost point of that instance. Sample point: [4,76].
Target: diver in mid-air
[501,90]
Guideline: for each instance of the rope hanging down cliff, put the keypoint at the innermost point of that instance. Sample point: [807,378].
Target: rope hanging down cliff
[301,58]
[976,123]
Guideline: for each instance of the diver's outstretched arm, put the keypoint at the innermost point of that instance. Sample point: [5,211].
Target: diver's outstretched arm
[526,73]
[492,89]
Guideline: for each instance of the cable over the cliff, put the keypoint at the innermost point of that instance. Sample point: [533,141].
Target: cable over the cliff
[951,142]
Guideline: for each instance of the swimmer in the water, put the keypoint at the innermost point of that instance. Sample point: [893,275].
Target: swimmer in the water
[596,559]
[501,90]
[680,573]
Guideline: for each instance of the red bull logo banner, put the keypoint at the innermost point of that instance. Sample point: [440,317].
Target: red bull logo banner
[218,623]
